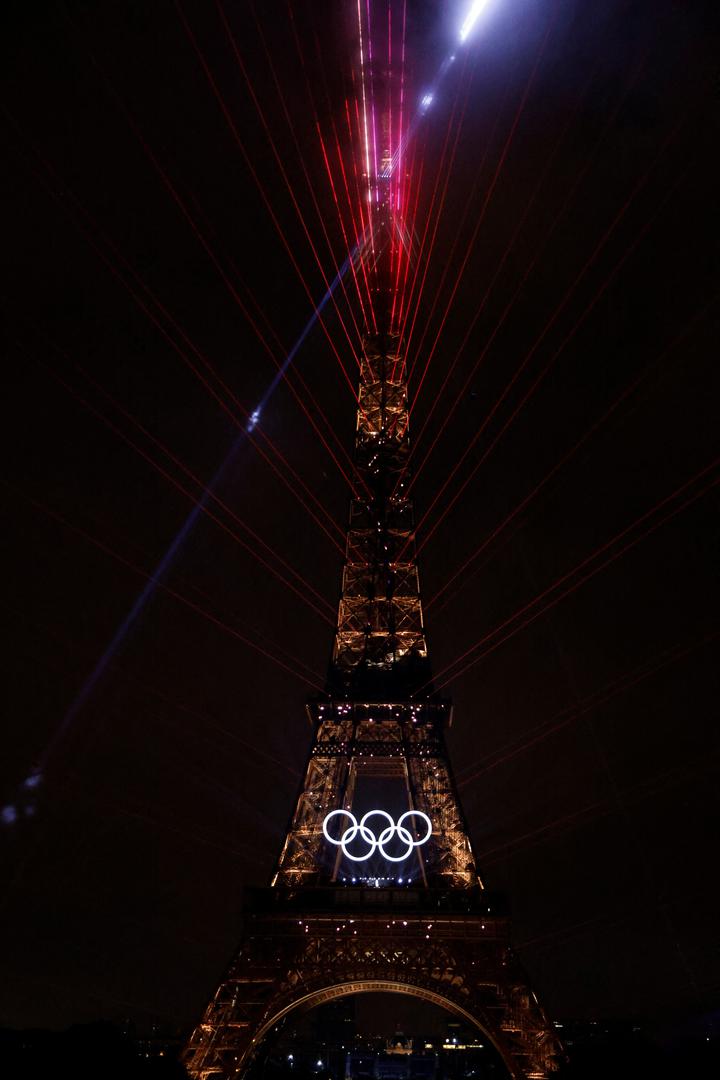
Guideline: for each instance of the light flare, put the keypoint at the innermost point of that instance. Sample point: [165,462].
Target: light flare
[476,10]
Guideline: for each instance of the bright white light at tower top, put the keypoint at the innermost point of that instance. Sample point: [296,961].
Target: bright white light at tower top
[472,16]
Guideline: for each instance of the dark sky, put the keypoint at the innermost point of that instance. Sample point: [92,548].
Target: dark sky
[585,744]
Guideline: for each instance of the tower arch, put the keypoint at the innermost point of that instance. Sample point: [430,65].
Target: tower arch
[307,946]
[325,994]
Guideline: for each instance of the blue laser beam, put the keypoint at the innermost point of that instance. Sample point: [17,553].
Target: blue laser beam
[141,601]
[8,814]
[256,414]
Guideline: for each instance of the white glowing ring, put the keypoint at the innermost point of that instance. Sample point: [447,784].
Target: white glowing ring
[349,835]
[377,842]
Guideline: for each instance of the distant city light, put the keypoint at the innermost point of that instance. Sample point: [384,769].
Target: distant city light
[472,17]
[426,100]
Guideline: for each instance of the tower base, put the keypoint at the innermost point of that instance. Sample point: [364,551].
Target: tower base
[304,947]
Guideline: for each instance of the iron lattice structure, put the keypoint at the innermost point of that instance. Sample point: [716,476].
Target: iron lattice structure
[312,935]
[304,947]
[319,931]
[380,642]
[401,741]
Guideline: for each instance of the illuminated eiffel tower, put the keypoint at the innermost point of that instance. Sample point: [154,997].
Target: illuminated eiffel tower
[376,886]
[364,898]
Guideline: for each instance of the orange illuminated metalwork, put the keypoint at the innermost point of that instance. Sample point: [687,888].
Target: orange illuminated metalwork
[415,919]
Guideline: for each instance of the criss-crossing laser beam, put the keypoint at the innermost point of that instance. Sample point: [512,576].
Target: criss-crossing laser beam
[582,572]
[486,202]
[567,716]
[153,580]
[578,322]
[307,590]
[624,395]
[273,216]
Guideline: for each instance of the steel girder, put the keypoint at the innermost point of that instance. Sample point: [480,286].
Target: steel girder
[289,961]
[380,627]
[354,738]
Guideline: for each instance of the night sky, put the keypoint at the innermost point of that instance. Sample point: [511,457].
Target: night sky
[139,798]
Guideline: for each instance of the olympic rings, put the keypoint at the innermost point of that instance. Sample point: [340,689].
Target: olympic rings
[374,842]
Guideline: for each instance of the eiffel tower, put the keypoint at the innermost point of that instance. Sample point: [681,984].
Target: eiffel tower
[376,887]
[342,918]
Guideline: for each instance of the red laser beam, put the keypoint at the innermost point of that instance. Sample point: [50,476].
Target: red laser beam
[592,701]
[543,333]
[486,202]
[623,396]
[107,550]
[283,173]
[248,161]
[442,172]
[199,482]
[574,571]
[301,160]
[533,262]
[195,501]
[481,307]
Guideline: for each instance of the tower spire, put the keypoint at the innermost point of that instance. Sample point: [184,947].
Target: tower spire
[380,648]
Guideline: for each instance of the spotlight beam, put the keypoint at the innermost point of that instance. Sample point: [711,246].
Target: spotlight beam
[476,10]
